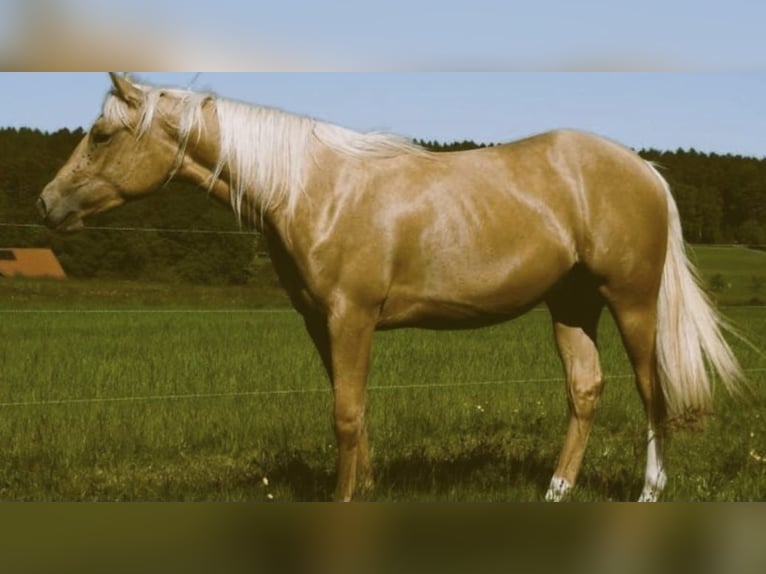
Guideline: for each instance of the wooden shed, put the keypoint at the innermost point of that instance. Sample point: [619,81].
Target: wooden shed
[30,263]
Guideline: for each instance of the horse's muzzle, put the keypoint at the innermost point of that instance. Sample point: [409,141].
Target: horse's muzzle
[56,219]
[44,210]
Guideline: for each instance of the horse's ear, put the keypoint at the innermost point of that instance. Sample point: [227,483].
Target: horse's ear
[126,90]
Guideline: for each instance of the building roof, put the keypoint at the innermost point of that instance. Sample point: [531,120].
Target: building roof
[30,263]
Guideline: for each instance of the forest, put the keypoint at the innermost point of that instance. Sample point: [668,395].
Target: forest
[721,198]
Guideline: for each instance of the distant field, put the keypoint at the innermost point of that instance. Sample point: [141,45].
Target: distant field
[165,393]
[24,294]
[741,273]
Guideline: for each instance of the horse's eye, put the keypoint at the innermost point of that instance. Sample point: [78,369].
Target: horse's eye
[99,138]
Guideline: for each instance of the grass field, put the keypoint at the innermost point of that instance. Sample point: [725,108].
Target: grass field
[195,394]
[740,273]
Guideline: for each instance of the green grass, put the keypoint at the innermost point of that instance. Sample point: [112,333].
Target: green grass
[161,392]
[741,273]
[25,294]
[473,423]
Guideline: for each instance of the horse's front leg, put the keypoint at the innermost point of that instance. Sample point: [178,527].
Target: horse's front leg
[350,333]
[316,326]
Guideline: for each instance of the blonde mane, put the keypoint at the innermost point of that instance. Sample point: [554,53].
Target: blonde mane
[265,151]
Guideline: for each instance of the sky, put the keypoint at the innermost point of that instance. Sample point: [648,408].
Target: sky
[711,112]
[436,34]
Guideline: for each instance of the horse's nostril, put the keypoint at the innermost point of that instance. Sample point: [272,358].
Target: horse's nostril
[41,208]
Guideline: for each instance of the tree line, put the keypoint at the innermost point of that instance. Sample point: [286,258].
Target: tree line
[721,198]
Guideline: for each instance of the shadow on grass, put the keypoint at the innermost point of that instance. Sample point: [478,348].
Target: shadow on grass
[477,475]
[308,482]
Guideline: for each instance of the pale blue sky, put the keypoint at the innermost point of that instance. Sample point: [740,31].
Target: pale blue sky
[449,35]
[720,112]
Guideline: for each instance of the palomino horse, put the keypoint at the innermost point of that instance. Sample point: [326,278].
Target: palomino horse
[368,231]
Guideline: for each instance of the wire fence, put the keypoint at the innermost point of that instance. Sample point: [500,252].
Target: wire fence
[274,392]
[245,232]
[277,311]
[284,392]
[242,232]
[236,311]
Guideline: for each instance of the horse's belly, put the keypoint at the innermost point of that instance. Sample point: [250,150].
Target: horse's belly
[468,298]
[439,314]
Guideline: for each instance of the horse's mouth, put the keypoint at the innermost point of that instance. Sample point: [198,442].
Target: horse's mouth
[71,223]
[71,226]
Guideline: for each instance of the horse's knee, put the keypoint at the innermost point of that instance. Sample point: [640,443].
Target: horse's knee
[349,423]
[585,392]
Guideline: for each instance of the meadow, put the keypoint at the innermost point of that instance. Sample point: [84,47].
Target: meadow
[734,275]
[132,392]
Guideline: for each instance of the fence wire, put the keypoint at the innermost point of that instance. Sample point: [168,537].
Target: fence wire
[283,392]
[139,229]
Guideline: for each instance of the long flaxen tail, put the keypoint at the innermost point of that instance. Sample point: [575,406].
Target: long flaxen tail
[691,349]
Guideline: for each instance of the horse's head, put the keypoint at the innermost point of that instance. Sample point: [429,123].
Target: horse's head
[131,150]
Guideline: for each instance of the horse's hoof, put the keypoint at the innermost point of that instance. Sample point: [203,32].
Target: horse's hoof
[558,490]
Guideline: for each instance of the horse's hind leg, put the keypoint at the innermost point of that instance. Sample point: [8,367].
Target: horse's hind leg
[575,315]
[638,326]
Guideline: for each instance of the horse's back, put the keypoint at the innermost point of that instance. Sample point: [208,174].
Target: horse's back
[566,188]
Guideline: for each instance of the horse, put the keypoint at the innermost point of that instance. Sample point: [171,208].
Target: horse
[368,231]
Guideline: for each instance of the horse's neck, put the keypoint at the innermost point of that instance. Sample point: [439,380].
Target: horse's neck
[196,169]
[200,167]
